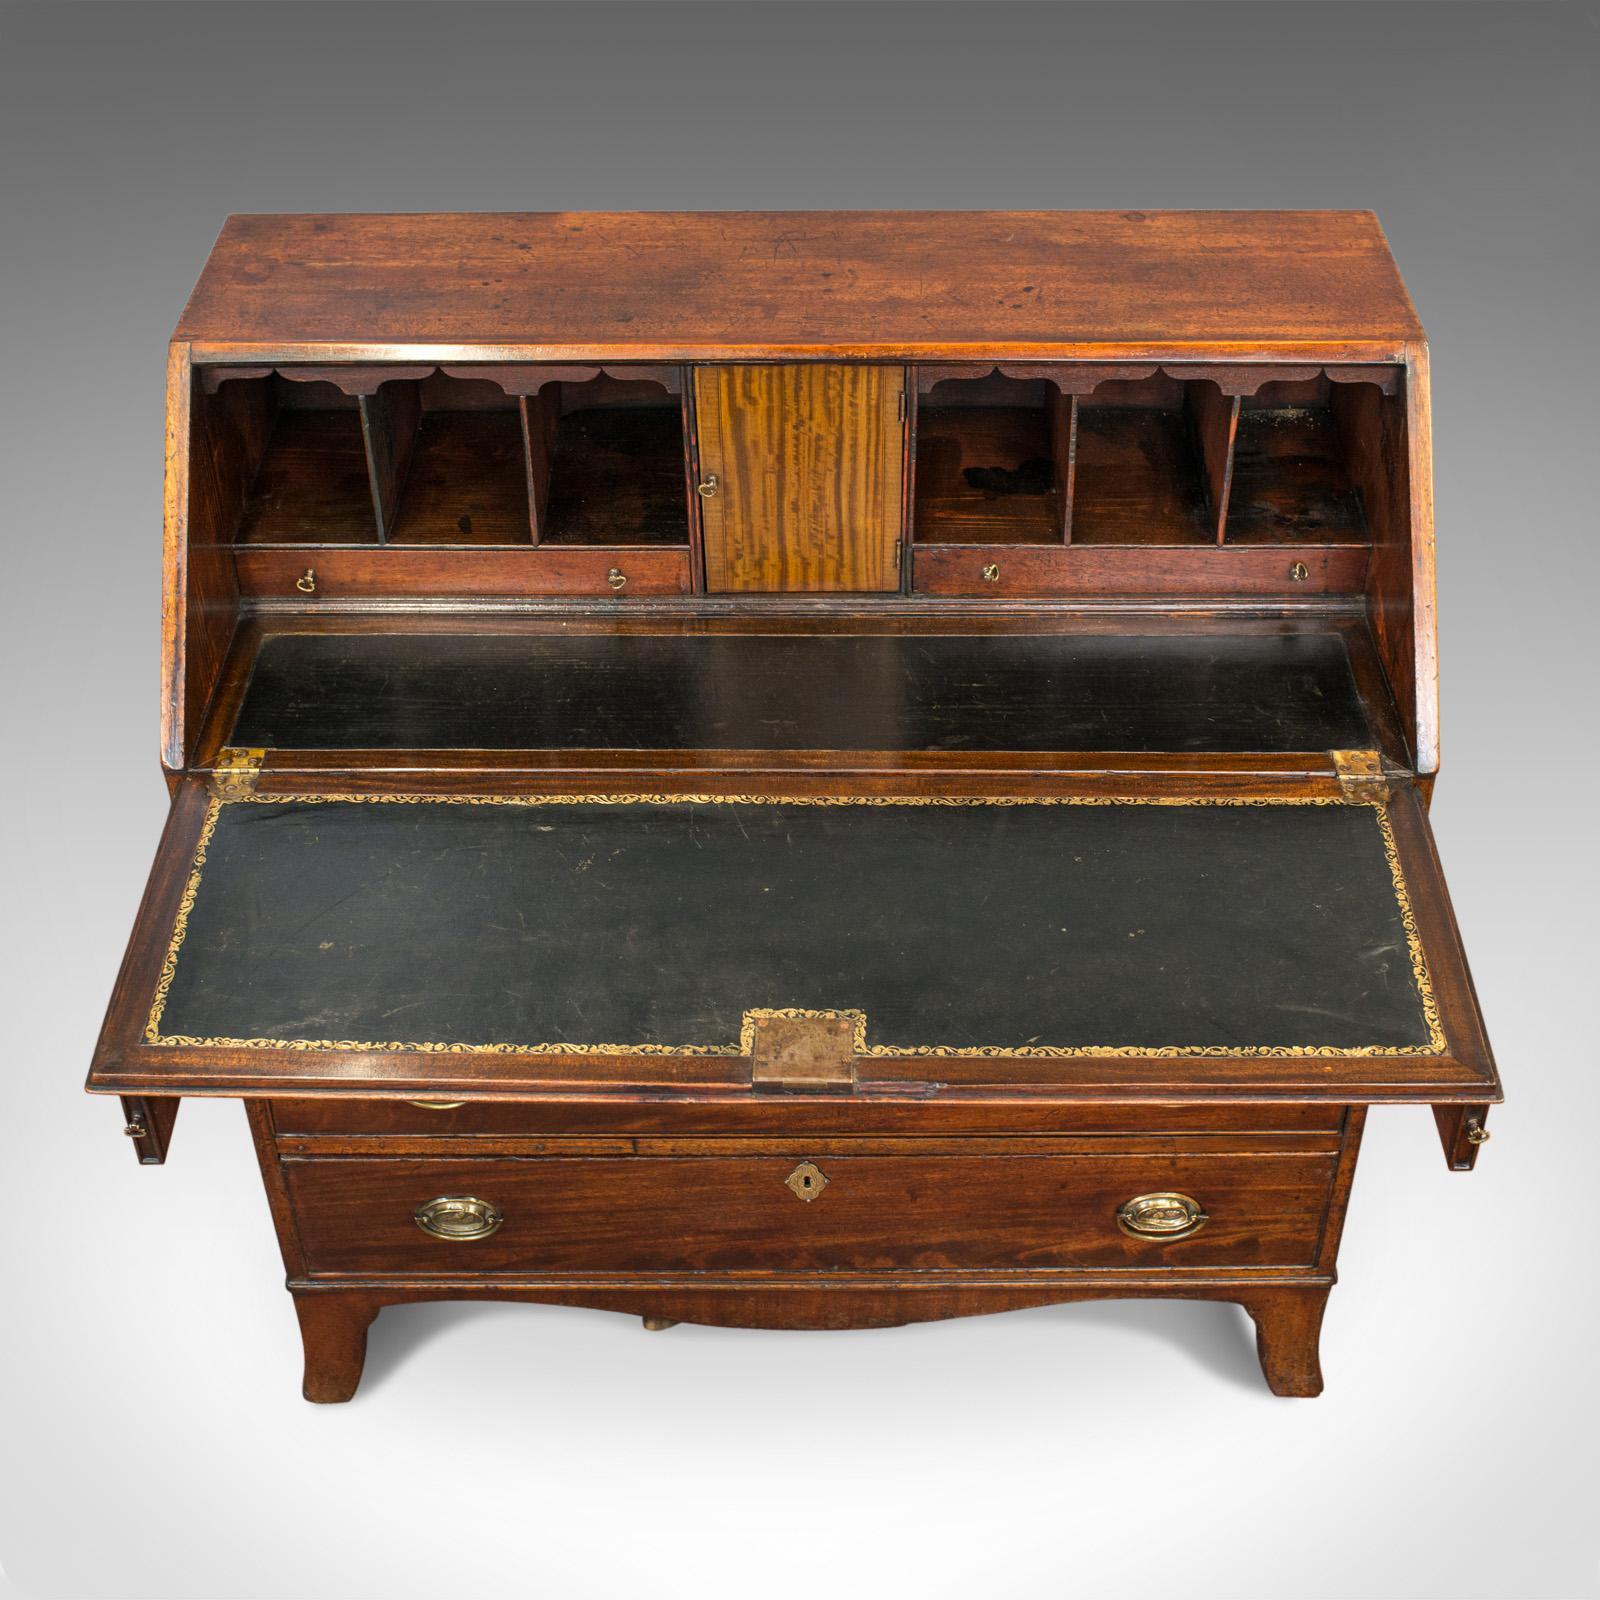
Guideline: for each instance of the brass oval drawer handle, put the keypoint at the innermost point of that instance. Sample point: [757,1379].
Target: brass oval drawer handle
[306,583]
[991,573]
[617,578]
[437,1105]
[707,487]
[1164,1215]
[458,1217]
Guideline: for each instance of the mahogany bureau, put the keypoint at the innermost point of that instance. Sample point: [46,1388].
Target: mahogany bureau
[800,770]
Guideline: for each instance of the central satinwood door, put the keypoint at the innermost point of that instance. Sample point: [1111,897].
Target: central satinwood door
[801,470]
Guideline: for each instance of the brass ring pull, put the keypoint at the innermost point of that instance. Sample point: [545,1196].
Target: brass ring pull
[1164,1215]
[1476,1132]
[136,1130]
[991,573]
[306,583]
[707,487]
[437,1105]
[458,1217]
[616,577]
[1299,572]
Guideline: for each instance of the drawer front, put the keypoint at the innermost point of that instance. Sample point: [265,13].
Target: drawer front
[788,1117]
[857,1213]
[618,573]
[998,572]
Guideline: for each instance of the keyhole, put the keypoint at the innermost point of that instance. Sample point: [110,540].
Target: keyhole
[806,1182]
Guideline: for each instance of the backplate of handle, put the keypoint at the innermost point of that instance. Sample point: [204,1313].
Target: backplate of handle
[458,1217]
[1162,1215]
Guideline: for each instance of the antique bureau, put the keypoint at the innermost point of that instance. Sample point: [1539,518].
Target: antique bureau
[800,770]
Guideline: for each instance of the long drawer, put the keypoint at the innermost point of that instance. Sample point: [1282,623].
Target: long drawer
[788,1116]
[837,1213]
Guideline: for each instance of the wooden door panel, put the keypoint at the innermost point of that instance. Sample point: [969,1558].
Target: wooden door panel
[808,462]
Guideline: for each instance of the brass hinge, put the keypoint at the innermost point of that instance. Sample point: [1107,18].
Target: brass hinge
[1360,775]
[803,1051]
[235,773]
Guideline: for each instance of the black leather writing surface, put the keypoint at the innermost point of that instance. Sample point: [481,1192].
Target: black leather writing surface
[1024,692]
[1067,927]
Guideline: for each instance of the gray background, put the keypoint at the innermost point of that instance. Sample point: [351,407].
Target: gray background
[154,1442]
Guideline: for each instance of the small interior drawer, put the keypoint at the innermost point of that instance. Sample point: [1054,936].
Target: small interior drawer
[984,572]
[399,572]
[839,1213]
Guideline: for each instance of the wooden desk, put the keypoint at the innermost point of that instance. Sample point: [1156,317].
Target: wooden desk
[799,770]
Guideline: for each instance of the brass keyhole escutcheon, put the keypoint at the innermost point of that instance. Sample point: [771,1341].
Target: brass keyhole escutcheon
[707,487]
[1299,572]
[616,577]
[991,573]
[306,583]
[807,1180]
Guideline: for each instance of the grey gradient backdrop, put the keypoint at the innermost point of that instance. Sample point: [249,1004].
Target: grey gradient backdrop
[154,1443]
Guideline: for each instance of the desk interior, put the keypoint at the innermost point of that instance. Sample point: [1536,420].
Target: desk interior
[1156,689]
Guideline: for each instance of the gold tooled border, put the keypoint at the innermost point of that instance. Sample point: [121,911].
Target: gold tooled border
[1419,966]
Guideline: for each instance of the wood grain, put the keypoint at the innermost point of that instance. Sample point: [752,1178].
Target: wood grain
[465,483]
[1213,419]
[877,1213]
[390,417]
[212,450]
[668,286]
[776,1119]
[1288,1331]
[979,477]
[1171,571]
[313,484]
[808,462]
[419,572]
[333,1331]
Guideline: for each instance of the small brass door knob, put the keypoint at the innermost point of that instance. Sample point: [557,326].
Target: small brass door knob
[707,486]
[1161,1216]
[458,1217]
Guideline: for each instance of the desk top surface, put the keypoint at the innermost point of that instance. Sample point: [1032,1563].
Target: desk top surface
[756,284]
[955,927]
